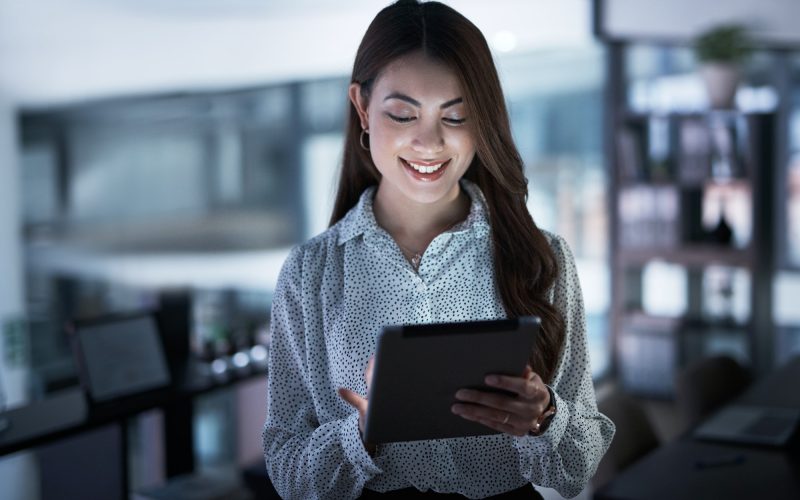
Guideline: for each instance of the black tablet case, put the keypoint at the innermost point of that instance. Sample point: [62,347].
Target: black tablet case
[419,368]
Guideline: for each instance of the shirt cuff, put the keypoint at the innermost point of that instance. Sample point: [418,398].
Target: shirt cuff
[354,448]
[548,440]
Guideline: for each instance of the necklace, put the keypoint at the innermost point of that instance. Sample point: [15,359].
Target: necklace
[416,257]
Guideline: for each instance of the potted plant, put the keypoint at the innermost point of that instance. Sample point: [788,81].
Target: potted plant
[721,51]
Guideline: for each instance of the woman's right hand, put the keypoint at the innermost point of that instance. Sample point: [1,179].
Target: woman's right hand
[357,401]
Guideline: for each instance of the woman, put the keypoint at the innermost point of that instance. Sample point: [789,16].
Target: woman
[430,225]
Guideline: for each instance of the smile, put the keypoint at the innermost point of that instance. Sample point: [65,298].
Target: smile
[425,171]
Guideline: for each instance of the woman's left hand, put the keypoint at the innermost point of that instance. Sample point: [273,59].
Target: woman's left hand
[514,415]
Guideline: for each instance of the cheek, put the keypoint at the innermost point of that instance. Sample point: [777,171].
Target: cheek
[387,141]
[463,143]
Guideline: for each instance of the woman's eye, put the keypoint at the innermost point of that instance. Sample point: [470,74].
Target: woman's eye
[454,121]
[400,119]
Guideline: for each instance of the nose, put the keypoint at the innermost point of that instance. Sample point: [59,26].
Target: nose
[429,139]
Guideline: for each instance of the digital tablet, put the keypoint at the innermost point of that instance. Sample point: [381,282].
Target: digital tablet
[419,368]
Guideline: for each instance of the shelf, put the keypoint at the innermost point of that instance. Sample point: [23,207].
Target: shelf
[727,182]
[690,255]
[629,115]
[641,319]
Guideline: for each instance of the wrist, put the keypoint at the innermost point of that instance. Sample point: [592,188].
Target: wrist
[543,422]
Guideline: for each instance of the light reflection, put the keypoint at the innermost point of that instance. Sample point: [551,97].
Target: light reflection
[258,353]
[241,360]
[219,367]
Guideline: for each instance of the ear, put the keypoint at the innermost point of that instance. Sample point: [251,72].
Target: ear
[360,103]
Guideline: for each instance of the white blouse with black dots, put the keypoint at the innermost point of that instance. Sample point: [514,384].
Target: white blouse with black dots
[334,294]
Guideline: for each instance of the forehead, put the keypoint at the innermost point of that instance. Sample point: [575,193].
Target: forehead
[420,77]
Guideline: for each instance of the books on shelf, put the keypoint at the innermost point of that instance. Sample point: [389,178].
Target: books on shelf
[689,149]
[695,152]
[728,134]
[649,216]
[631,154]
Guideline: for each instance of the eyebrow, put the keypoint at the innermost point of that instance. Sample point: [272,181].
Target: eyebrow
[414,102]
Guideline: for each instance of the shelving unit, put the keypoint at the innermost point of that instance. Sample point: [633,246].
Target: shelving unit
[692,193]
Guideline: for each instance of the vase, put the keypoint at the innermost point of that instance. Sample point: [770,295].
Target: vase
[721,81]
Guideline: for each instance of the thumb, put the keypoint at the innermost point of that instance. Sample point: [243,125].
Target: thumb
[369,370]
[356,401]
[353,399]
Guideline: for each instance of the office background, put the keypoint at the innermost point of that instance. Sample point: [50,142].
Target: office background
[183,147]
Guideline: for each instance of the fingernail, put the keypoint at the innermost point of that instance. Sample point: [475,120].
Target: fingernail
[462,394]
[492,379]
[456,409]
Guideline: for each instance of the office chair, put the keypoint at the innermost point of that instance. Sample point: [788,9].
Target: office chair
[634,438]
[706,385]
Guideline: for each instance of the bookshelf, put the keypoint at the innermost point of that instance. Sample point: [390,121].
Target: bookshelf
[692,208]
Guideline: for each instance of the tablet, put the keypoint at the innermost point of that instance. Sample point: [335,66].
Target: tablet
[419,368]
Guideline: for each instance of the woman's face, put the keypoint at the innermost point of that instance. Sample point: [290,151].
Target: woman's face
[419,135]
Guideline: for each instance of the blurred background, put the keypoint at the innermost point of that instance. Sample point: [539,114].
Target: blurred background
[166,155]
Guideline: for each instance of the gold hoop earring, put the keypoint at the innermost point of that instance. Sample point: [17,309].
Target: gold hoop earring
[361,138]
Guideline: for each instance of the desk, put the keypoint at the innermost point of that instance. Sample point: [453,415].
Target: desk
[67,415]
[671,471]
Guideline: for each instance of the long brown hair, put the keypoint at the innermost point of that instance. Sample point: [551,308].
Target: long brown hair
[525,265]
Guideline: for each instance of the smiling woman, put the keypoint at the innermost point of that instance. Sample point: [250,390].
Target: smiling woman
[421,144]
[430,225]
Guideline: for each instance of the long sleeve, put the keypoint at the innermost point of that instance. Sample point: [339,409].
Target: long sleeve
[334,295]
[566,456]
[305,458]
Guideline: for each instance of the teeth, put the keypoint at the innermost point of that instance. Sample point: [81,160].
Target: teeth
[425,169]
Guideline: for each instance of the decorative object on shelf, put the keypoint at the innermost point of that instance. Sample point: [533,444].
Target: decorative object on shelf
[721,50]
[727,213]
[694,153]
[722,234]
[728,139]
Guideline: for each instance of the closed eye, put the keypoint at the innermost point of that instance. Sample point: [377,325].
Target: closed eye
[400,119]
[454,121]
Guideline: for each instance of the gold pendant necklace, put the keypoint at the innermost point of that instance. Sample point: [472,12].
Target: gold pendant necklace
[416,257]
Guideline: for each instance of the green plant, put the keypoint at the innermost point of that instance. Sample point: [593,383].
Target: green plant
[724,43]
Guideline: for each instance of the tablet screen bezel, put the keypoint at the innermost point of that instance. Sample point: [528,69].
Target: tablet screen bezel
[418,369]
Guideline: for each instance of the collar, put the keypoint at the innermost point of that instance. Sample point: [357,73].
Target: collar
[360,220]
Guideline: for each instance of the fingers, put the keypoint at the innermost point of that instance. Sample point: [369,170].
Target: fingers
[491,400]
[368,371]
[501,421]
[502,412]
[528,372]
[529,385]
[354,399]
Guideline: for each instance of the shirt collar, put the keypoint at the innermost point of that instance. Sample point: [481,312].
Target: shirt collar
[361,218]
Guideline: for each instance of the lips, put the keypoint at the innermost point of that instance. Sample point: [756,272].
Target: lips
[425,171]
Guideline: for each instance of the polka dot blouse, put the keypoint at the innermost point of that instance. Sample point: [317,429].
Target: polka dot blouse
[334,294]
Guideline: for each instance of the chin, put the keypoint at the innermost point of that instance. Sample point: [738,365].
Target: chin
[434,193]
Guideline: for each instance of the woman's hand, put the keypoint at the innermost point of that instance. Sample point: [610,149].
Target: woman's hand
[504,413]
[357,401]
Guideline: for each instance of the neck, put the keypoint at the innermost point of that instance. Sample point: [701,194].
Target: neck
[414,225]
